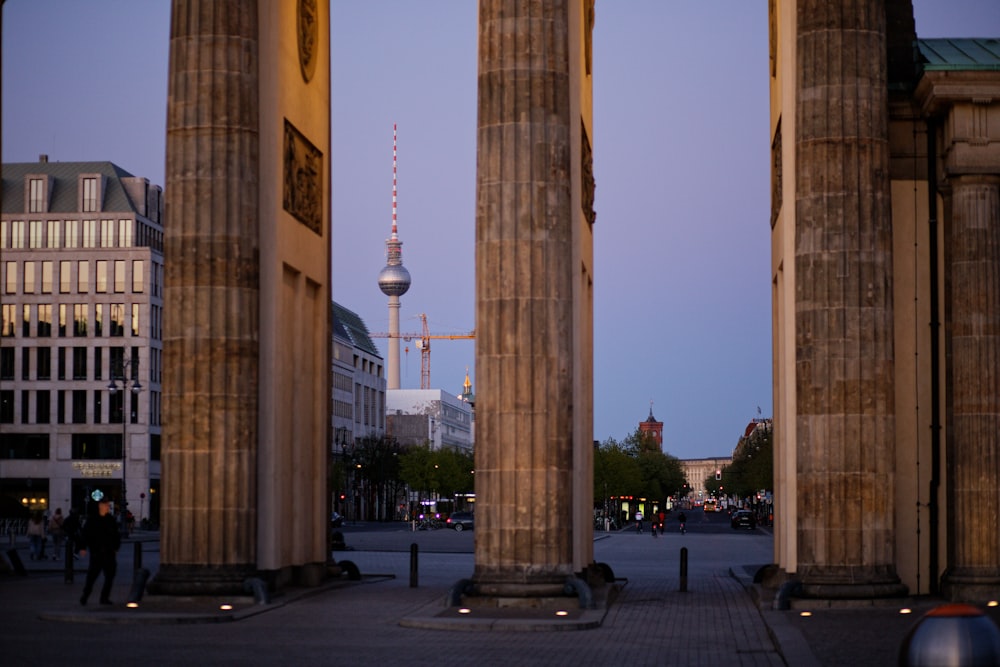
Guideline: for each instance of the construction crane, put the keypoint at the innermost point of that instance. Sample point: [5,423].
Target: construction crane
[424,345]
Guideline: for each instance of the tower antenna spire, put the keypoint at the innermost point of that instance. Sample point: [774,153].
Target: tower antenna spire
[394,281]
[394,236]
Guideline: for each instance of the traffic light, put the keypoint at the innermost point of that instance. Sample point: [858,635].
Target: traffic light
[718,474]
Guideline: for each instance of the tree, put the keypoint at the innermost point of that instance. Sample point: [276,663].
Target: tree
[636,467]
[752,468]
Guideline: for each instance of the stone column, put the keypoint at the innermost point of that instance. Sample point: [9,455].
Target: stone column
[843,303]
[525,278]
[210,409]
[972,279]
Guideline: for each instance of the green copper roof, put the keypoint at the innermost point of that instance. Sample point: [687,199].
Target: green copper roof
[960,54]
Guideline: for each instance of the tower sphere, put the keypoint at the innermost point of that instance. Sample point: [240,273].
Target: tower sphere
[394,280]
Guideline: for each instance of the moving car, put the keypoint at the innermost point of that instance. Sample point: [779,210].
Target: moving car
[743,519]
[461,520]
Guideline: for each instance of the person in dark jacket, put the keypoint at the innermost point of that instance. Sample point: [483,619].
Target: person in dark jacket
[102,539]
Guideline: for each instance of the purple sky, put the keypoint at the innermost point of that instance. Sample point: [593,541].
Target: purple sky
[682,286]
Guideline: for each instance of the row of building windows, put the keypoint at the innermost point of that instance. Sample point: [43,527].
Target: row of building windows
[107,233]
[81,358]
[108,319]
[71,407]
[38,277]
[85,446]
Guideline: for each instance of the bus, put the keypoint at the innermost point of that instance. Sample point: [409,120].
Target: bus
[710,505]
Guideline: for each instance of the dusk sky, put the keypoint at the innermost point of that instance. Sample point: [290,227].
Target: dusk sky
[682,243]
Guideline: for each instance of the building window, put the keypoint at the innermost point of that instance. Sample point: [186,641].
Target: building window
[60,407]
[125,233]
[61,363]
[6,363]
[44,369]
[83,277]
[7,406]
[117,327]
[25,414]
[3,235]
[52,234]
[90,194]
[102,276]
[35,234]
[47,277]
[17,234]
[36,195]
[98,363]
[90,233]
[79,363]
[25,363]
[65,279]
[98,394]
[135,319]
[42,398]
[26,321]
[62,320]
[9,311]
[44,321]
[29,277]
[107,233]
[137,279]
[96,446]
[79,319]
[98,319]
[72,238]
[79,407]
[11,283]
[119,276]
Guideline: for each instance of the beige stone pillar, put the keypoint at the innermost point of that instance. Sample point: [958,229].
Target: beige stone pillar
[247,300]
[972,279]
[531,405]
[843,304]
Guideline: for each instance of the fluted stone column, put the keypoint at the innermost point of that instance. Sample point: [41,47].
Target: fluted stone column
[524,287]
[210,409]
[972,266]
[843,310]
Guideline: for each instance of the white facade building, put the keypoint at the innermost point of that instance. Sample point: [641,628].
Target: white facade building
[419,416]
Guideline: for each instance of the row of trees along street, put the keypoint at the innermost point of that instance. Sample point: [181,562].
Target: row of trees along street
[752,469]
[635,467]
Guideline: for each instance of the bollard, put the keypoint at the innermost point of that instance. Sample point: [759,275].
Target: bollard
[684,570]
[68,561]
[413,565]
[951,634]
[15,561]
[137,555]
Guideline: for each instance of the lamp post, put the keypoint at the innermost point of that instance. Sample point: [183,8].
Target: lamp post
[127,384]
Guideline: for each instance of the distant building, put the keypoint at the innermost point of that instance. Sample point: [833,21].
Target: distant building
[82,280]
[698,470]
[652,426]
[419,416]
[358,409]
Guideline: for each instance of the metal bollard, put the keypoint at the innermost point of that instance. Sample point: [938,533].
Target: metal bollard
[413,565]
[70,553]
[137,555]
[951,634]
[684,570]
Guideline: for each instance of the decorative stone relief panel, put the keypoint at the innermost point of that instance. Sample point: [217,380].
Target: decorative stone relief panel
[776,175]
[587,185]
[303,191]
[307,27]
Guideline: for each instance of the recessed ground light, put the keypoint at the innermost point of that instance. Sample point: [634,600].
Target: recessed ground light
[562,612]
[225,607]
[805,613]
[464,610]
[992,603]
[905,610]
[132,605]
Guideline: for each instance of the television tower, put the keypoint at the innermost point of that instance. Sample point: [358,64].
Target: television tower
[394,281]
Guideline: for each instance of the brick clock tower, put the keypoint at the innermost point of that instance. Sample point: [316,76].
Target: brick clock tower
[652,426]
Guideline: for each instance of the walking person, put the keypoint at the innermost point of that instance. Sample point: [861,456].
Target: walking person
[638,521]
[102,539]
[36,535]
[57,533]
[71,530]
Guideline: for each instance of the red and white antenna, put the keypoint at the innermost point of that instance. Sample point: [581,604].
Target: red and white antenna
[394,181]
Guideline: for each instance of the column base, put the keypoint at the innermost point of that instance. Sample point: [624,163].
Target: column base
[849,583]
[201,579]
[971,585]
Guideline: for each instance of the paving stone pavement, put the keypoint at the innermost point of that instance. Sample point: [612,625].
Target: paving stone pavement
[717,621]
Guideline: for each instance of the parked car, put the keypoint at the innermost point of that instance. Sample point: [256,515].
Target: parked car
[743,519]
[336,521]
[461,520]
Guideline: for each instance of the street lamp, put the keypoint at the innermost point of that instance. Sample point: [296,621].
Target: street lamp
[127,384]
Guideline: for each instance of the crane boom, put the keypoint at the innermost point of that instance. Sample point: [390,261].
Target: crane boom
[424,345]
